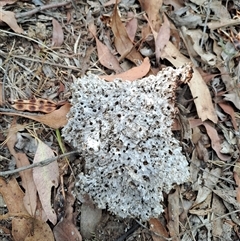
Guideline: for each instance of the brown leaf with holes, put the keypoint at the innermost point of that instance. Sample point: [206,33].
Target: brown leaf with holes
[33,105]
[122,41]
[55,119]
[132,74]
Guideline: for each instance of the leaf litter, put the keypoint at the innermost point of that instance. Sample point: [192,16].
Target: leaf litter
[40,57]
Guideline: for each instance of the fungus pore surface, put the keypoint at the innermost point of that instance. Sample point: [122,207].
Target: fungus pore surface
[123,131]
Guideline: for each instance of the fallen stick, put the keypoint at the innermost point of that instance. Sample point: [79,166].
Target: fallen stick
[38,164]
[41,8]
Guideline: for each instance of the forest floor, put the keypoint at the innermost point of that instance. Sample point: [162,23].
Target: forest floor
[46,45]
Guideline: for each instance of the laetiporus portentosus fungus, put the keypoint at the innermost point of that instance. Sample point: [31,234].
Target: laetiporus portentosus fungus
[123,131]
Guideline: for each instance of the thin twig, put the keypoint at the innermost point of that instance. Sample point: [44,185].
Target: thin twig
[46,62]
[38,164]
[41,8]
[134,227]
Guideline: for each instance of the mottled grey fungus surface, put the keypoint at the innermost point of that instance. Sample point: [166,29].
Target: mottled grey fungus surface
[123,131]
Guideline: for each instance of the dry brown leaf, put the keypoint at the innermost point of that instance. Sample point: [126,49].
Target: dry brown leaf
[44,178]
[132,74]
[236,175]
[207,77]
[13,197]
[110,2]
[201,212]
[90,219]
[196,135]
[131,26]
[105,56]
[233,91]
[55,119]
[224,22]
[162,38]
[237,180]
[65,229]
[229,196]
[157,227]
[215,141]
[1,94]
[198,87]
[194,48]
[152,8]
[40,213]
[175,3]
[40,232]
[193,123]
[9,18]
[5,2]
[202,151]
[173,214]
[210,178]
[229,110]
[30,196]
[123,43]
[217,209]
[58,36]
[11,192]
[40,105]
